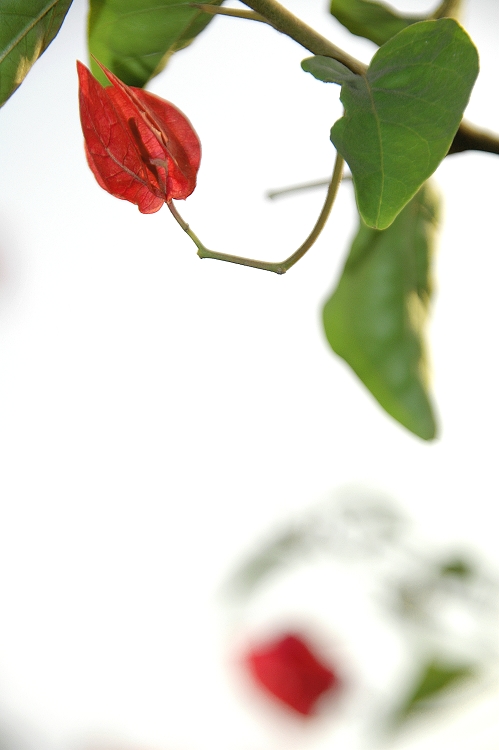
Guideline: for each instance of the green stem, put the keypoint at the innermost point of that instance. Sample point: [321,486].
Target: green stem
[215,10]
[323,216]
[272,194]
[287,23]
[282,266]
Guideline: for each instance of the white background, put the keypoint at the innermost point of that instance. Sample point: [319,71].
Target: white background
[158,413]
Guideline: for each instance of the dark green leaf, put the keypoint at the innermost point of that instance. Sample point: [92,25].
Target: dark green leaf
[376,317]
[26,29]
[435,678]
[135,38]
[374,21]
[379,22]
[401,116]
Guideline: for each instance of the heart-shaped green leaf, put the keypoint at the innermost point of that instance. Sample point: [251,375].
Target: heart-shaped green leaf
[26,29]
[401,116]
[376,317]
[135,38]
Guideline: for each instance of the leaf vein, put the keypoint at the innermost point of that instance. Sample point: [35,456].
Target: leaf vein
[25,31]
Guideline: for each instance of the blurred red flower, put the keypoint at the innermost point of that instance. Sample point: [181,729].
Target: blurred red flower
[140,148]
[288,669]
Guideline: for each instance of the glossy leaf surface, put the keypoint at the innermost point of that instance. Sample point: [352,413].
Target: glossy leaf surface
[401,116]
[376,317]
[26,29]
[135,38]
[374,21]
[140,148]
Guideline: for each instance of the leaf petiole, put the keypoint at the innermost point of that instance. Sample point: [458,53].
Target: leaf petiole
[281,266]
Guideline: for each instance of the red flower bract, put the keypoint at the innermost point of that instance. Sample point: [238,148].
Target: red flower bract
[140,148]
[289,670]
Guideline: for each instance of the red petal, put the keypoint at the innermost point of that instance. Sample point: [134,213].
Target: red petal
[139,147]
[112,150]
[289,670]
[181,142]
[173,130]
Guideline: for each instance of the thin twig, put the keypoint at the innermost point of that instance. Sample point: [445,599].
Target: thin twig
[287,23]
[282,266]
[216,10]
[471,138]
[273,194]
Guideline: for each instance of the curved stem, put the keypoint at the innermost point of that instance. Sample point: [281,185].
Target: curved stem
[323,216]
[282,266]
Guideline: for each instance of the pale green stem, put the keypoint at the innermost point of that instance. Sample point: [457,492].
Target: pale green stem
[282,266]
[272,194]
[216,10]
[297,188]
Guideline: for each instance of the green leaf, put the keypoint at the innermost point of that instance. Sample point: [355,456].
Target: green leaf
[374,21]
[435,678]
[26,29]
[135,38]
[379,22]
[329,71]
[376,317]
[401,116]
